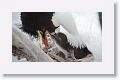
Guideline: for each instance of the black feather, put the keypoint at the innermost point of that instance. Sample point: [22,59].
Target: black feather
[34,21]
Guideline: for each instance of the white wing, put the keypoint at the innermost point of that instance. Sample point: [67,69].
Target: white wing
[82,29]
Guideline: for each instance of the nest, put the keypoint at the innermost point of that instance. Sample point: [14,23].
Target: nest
[51,51]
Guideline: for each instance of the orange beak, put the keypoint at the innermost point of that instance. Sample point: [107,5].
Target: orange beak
[45,41]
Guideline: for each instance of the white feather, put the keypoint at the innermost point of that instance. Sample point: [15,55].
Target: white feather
[16,19]
[82,29]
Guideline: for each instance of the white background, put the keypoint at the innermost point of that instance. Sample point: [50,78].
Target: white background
[78,77]
[104,67]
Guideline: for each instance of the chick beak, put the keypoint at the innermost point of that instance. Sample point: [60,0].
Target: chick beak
[45,41]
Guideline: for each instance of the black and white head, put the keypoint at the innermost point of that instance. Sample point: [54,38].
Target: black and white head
[34,21]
